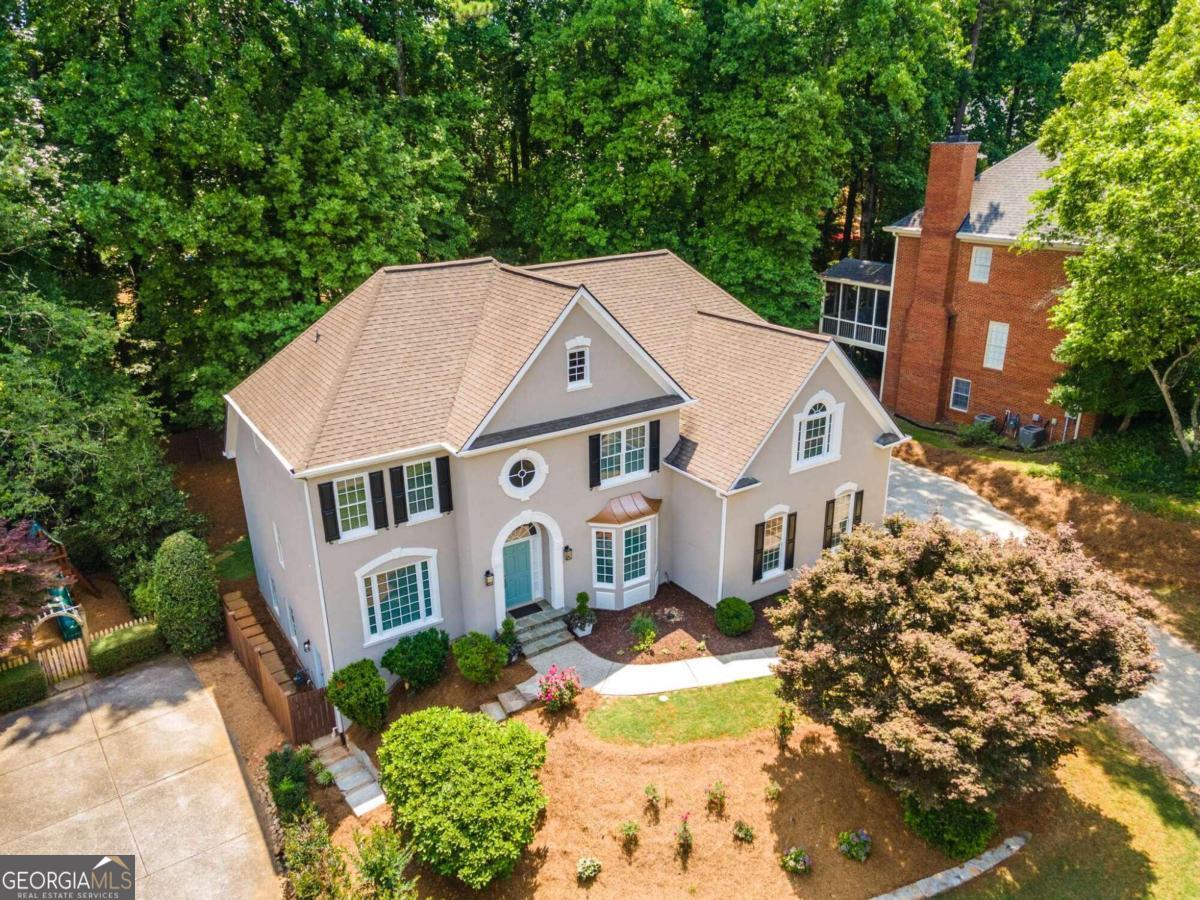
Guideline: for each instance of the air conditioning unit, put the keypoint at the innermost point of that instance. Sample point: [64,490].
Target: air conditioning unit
[1031,436]
[986,419]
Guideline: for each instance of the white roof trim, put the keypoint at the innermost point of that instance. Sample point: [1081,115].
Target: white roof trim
[262,437]
[904,230]
[377,459]
[1005,240]
[584,299]
[855,281]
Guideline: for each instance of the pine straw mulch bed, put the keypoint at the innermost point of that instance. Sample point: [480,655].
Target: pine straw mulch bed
[1154,552]
[685,623]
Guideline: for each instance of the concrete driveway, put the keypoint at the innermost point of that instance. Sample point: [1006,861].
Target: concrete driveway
[136,763]
[1168,713]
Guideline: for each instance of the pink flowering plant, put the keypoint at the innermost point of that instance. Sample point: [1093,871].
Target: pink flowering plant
[558,688]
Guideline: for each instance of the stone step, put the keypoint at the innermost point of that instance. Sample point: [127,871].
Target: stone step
[548,642]
[365,798]
[331,755]
[529,688]
[353,779]
[342,766]
[512,701]
[547,614]
[494,710]
[324,741]
[533,633]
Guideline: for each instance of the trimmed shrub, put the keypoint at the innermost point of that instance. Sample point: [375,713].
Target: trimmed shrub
[734,616]
[587,869]
[287,779]
[645,631]
[479,658]
[464,790]
[359,692]
[382,860]
[189,610]
[979,434]
[419,659]
[22,686]
[956,828]
[315,867]
[125,647]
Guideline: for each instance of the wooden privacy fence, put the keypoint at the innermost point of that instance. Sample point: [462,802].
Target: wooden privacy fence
[64,661]
[302,714]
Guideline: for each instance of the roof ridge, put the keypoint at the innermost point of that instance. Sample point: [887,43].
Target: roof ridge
[343,364]
[1000,162]
[768,326]
[595,259]
[525,273]
[473,261]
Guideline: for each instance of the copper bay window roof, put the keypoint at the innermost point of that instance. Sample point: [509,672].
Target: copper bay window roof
[625,509]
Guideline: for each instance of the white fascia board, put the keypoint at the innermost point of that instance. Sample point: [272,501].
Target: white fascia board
[1005,240]
[866,284]
[903,230]
[378,459]
[262,437]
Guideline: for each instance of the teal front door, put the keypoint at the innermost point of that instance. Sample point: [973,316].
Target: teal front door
[518,574]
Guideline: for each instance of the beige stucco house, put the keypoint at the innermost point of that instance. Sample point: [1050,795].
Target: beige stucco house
[455,442]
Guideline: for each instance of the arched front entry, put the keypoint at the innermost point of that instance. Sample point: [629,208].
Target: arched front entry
[523,550]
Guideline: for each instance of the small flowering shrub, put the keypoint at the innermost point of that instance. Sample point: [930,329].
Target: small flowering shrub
[743,832]
[587,869]
[683,837]
[629,834]
[855,845]
[772,791]
[653,797]
[558,688]
[715,794]
[796,862]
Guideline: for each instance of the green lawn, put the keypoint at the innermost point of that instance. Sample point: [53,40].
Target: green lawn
[235,561]
[1112,828]
[726,710]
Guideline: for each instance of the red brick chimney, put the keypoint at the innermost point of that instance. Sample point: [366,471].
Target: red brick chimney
[921,305]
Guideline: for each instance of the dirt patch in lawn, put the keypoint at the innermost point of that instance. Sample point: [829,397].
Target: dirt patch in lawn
[211,483]
[686,630]
[249,722]
[103,609]
[593,786]
[452,690]
[1151,551]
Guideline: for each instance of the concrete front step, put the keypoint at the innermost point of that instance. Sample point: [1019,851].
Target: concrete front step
[324,742]
[353,779]
[547,642]
[333,754]
[344,765]
[547,614]
[365,798]
[535,632]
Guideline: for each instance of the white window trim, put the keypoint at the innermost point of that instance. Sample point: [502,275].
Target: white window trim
[834,410]
[990,344]
[978,255]
[596,582]
[850,488]
[585,344]
[435,511]
[775,512]
[539,478]
[346,536]
[642,579]
[638,474]
[414,556]
[618,533]
[278,544]
[953,381]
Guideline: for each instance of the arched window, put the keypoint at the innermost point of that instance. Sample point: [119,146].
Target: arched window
[816,431]
[816,438]
[399,593]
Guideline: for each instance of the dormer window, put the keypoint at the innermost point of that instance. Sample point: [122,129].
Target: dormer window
[817,432]
[579,363]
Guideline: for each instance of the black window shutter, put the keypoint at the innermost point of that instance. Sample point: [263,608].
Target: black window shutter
[378,500]
[654,446]
[858,501]
[594,460]
[758,549]
[329,517]
[827,540]
[445,498]
[399,499]
[789,556]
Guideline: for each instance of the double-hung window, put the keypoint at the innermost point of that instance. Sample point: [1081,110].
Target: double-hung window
[603,556]
[981,265]
[960,394]
[997,345]
[353,505]
[579,363]
[815,439]
[773,538]
[636,553]
[419,489]
[623,453]
[397,598]
[842,516]
[816,432]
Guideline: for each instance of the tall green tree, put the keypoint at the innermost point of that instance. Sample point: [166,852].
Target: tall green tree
[1125,186]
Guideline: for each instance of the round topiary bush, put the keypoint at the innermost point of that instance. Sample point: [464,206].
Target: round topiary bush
[185,588]
[359,692]
[419,659]
[479,658]
[734,616]
[957,829]
[464,790]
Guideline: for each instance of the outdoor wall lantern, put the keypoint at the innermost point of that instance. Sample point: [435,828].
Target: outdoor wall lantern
[308,646]
[488,578]
[568,553]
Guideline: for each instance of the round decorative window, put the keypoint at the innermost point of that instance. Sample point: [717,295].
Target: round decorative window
[523,474]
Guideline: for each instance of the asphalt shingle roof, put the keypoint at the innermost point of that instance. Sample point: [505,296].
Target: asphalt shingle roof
[863,270]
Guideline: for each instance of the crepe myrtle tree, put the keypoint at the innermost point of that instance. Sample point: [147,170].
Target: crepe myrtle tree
[955,665]
[27,569]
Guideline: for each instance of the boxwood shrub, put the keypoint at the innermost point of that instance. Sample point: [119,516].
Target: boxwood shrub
[957,829]
[419,659]
[358,690]
[21,686]
[464,790]
[479,658]
[734,616]
[185,591]
[124,647]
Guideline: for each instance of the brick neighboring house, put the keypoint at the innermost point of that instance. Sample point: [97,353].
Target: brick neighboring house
[964,314]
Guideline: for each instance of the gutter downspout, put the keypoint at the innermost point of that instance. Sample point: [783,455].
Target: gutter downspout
[312,536]
[721,550]
[891,310]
